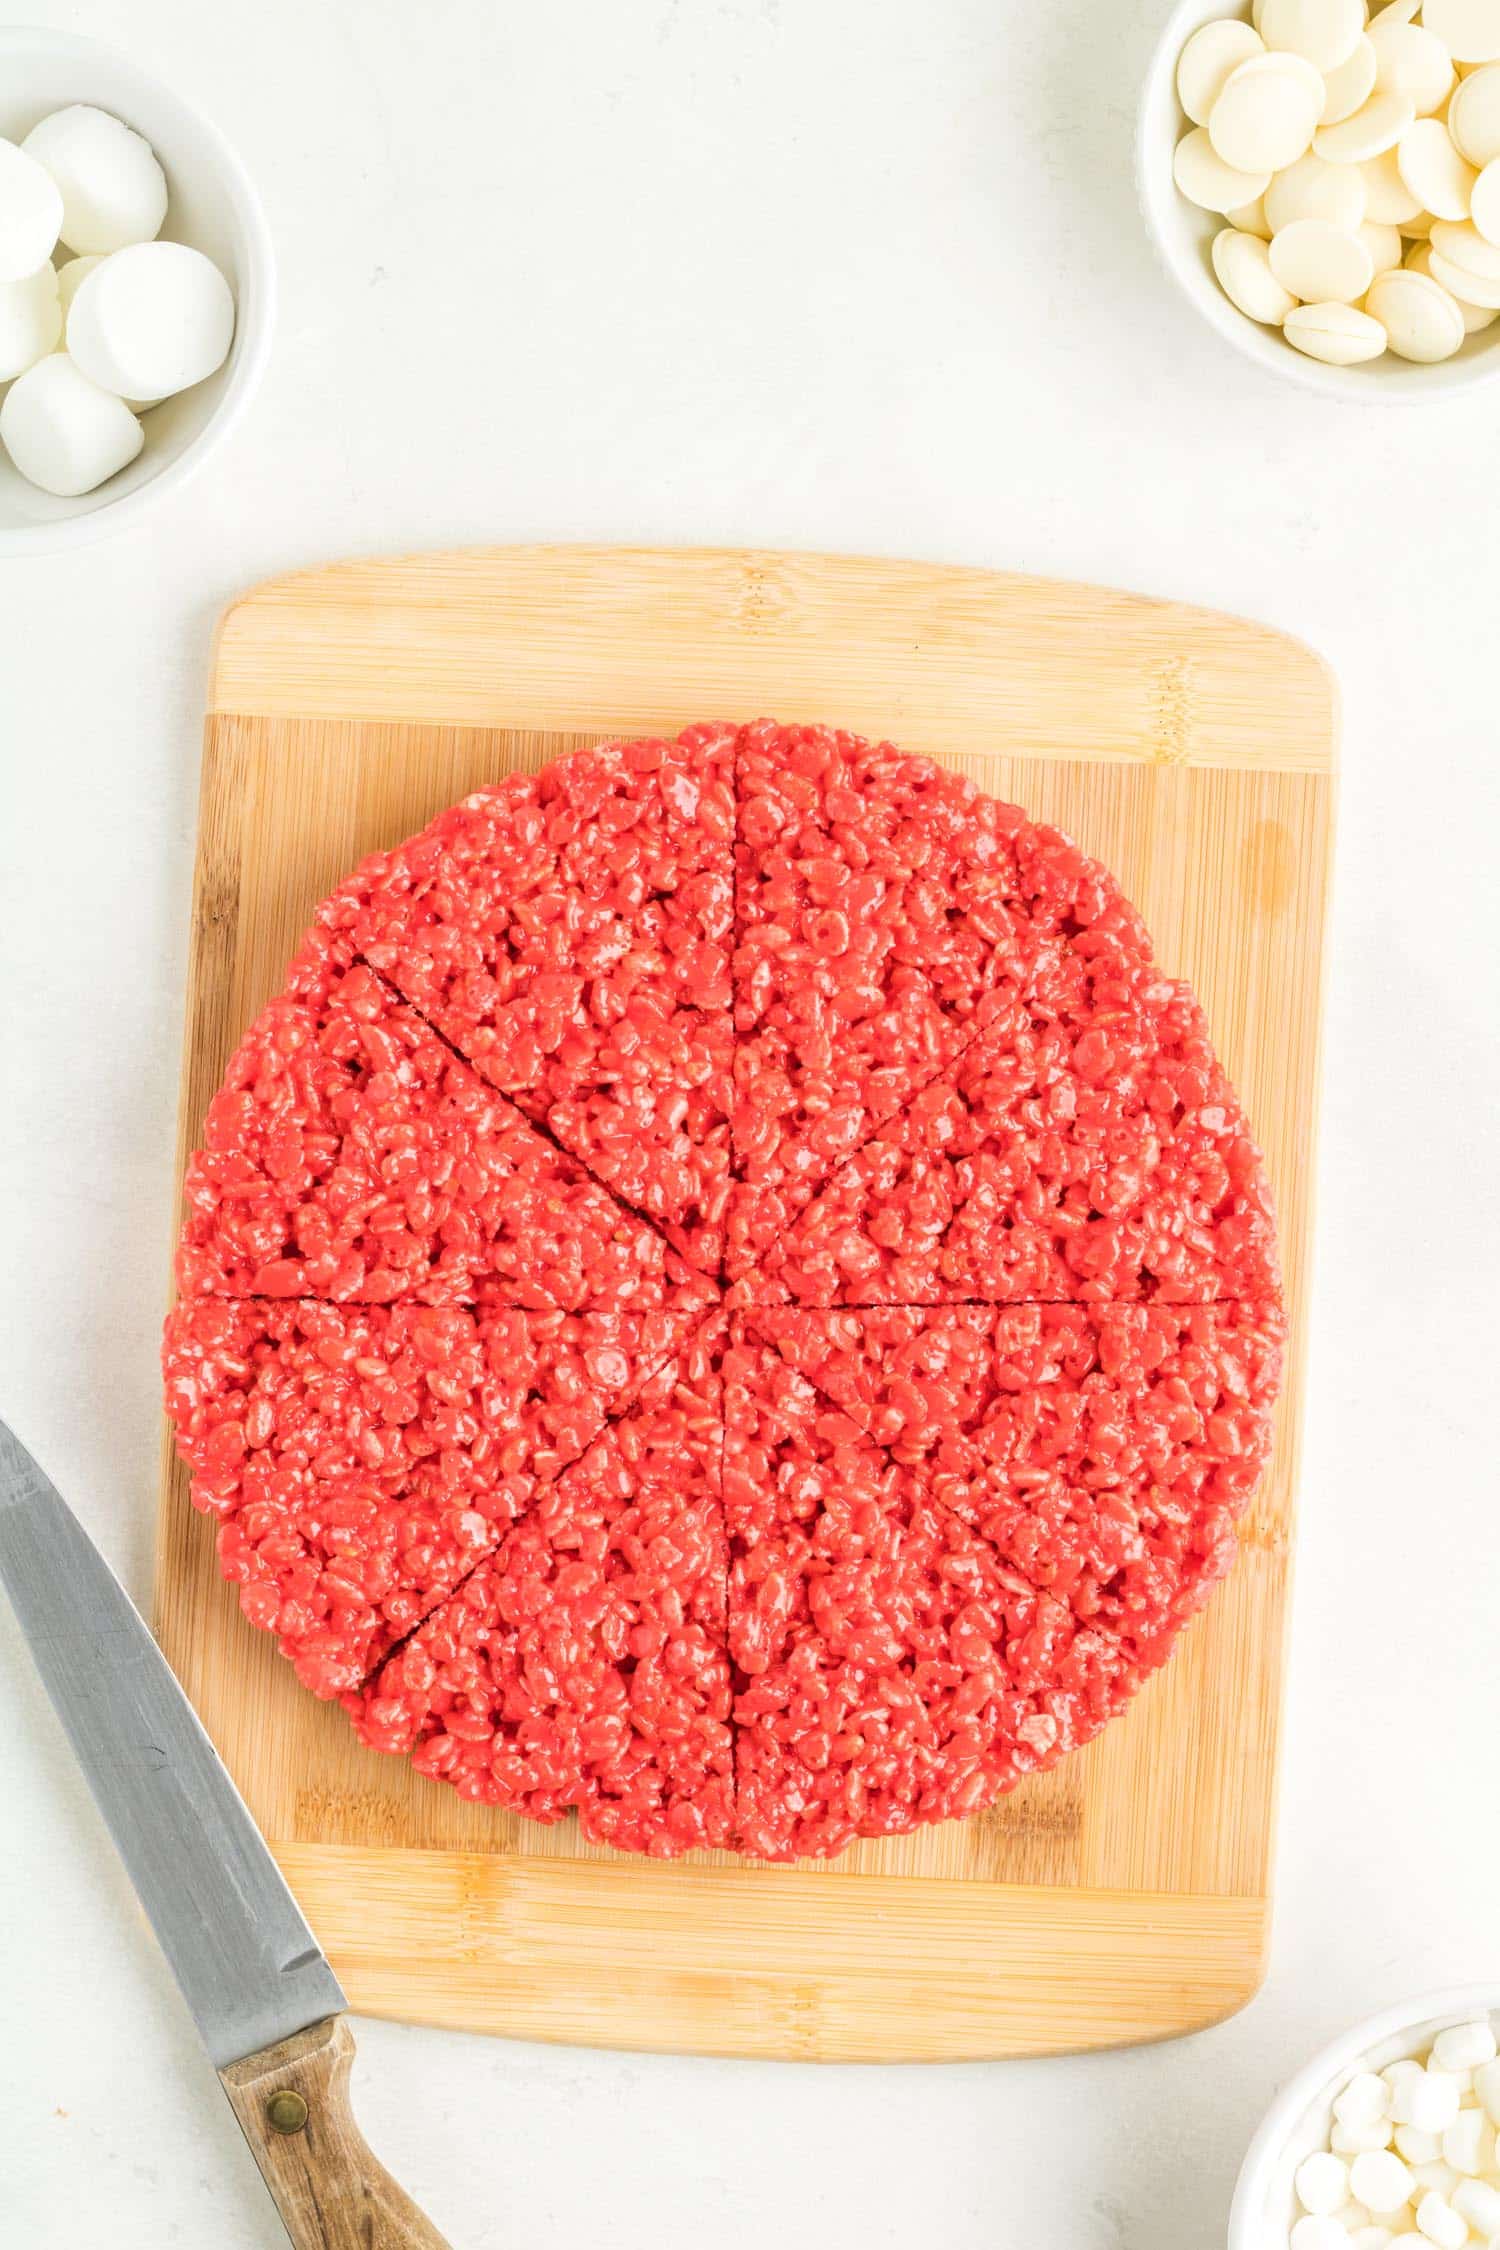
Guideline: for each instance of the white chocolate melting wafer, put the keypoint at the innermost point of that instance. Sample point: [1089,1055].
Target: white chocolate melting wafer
[1342,336]
[1242,263]
[1267,114]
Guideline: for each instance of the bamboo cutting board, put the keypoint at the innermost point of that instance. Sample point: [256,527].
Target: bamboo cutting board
[1123,1897]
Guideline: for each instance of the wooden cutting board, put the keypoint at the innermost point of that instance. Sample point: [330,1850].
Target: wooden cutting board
[1123,1897]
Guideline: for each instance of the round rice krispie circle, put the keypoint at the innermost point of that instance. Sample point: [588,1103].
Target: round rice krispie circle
[729,1294]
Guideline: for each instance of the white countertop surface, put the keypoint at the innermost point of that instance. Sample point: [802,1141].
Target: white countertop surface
[852,274]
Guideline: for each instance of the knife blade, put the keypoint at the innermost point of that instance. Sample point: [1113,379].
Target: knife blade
[249,1967]
[267,2005]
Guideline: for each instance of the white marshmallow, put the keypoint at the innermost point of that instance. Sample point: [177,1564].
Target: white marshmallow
[153,319]
[69,276]
[1401,2077]
[1353,2140]
[1487,2087]
[63,432]
[1322,2183]
[1479,2203]
[1371,2238]
[1440,2177]
[1364,2101]
[1432,2099]
[1467,2144]
[1319,2234]
[1417,2146]
[30,321]
[30,213]
[113,190]
[1437,2219]
[1380,2181]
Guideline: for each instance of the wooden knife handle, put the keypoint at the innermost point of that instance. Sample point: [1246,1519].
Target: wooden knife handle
[292,2101]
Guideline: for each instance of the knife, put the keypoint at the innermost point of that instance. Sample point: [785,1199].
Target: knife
[267,2006]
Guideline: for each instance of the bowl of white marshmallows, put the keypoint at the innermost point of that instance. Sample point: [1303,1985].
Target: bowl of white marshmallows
[1324,184]
[136,289]
[1386,2137]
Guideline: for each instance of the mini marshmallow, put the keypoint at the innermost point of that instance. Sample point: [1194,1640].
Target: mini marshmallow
[1433,2101]
[1479,2203]
[1467,2144]
[113,190]
[1464,2046]
[153,319]
[30,321]
[69,276]
[1401,2077]
[1364,2101]
[1487,2087]
[63,432]
[30,213]
[1353,2140]
[1319,2234]
[1439,2177]
[1322,2184]
[1371,2238]
[1380,2181]
[1437,2219]
[1417,2146]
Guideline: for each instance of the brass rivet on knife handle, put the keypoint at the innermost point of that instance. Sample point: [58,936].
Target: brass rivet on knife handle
[286,2112]
[292,2102]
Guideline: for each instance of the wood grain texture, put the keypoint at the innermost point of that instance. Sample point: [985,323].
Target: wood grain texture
[651,638]
[1124,1896]
[292,2102]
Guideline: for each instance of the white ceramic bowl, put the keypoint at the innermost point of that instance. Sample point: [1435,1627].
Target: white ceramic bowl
[211,205]
[1183,235]
[1298,2121]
